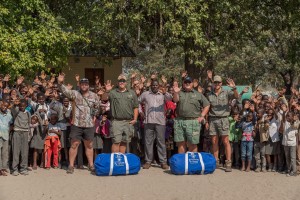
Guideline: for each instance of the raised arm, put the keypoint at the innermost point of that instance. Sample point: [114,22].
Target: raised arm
[68,93]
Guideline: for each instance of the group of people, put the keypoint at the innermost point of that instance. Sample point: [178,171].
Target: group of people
[48,123]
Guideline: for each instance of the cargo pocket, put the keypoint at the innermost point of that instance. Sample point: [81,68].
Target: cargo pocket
[225,124]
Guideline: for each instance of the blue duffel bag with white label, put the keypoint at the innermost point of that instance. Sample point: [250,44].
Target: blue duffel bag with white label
[114,164]
[192,163]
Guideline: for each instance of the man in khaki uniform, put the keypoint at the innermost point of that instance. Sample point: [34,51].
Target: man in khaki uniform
[124,110]
[189,116]
[218,117]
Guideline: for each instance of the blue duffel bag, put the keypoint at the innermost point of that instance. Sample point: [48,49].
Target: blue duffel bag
[192,163]
[114,164]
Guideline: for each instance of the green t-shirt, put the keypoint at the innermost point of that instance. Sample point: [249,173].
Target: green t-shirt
[122,104]
[190,104]
[235,134]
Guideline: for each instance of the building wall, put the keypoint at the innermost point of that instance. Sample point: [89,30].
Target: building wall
[77,66]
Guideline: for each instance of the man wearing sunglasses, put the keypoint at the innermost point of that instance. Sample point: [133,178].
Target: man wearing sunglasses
[191,109]
[218,117]
[124,110]
[84,103]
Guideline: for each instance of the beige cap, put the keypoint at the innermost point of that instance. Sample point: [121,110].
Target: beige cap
[122,76]
[217,79]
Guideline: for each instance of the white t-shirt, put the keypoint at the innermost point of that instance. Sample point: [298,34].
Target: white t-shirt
[274,130]
[290,134]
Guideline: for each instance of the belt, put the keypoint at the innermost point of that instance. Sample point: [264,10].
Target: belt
[188,118]
[120,119]
[217,117]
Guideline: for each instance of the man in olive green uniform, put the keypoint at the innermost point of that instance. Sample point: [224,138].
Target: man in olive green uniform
[124,110]
[189,116]
[218,117]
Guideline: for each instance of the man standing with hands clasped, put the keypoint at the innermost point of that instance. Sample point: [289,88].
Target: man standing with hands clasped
[155,123]
[191,109]
[218,117]
[124,110]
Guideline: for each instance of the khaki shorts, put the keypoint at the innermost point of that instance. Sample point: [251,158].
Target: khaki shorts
[187,130]
[121,131]
[219,126]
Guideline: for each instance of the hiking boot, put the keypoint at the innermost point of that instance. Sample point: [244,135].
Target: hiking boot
[15,173]
[70,170]
[218,165]
[146,166]
[228,166]
[164,166]
[25,172]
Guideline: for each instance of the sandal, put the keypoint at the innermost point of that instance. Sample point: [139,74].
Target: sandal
[92,168]
[3,173]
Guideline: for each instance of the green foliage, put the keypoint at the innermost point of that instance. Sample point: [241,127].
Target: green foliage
[31,37]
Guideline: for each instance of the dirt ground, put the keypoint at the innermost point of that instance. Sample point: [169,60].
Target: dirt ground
[154,183]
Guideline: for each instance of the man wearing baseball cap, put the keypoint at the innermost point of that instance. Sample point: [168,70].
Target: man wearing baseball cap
[191,109]
[124,110]
[84,104]
[218,117]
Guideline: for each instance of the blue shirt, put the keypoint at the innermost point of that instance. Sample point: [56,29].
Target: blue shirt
[6,120]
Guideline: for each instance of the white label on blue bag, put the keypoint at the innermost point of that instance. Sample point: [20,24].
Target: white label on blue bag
[118,162]
[193,159]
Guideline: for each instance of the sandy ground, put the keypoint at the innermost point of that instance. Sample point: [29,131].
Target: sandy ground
[154,183]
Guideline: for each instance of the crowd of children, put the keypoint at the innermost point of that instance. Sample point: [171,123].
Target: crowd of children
[35,122]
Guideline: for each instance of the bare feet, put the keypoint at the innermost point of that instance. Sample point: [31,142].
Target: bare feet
[248,169]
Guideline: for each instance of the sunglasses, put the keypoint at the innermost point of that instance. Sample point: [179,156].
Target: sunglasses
[217,82]
[187,82]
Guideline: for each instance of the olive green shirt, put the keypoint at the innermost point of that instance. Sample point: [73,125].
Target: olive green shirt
[219,104]
[122,104]
[190,104]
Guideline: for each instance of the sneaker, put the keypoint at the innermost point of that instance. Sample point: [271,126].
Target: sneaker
[270,168]
[164,166]
[25,172]
[146,166]
[291,174]
[15,173]
[70,170]
[257,169]
[274,169]
[228,166]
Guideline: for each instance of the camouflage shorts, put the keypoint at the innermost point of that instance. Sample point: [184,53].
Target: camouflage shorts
[187,130]
[218,126]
